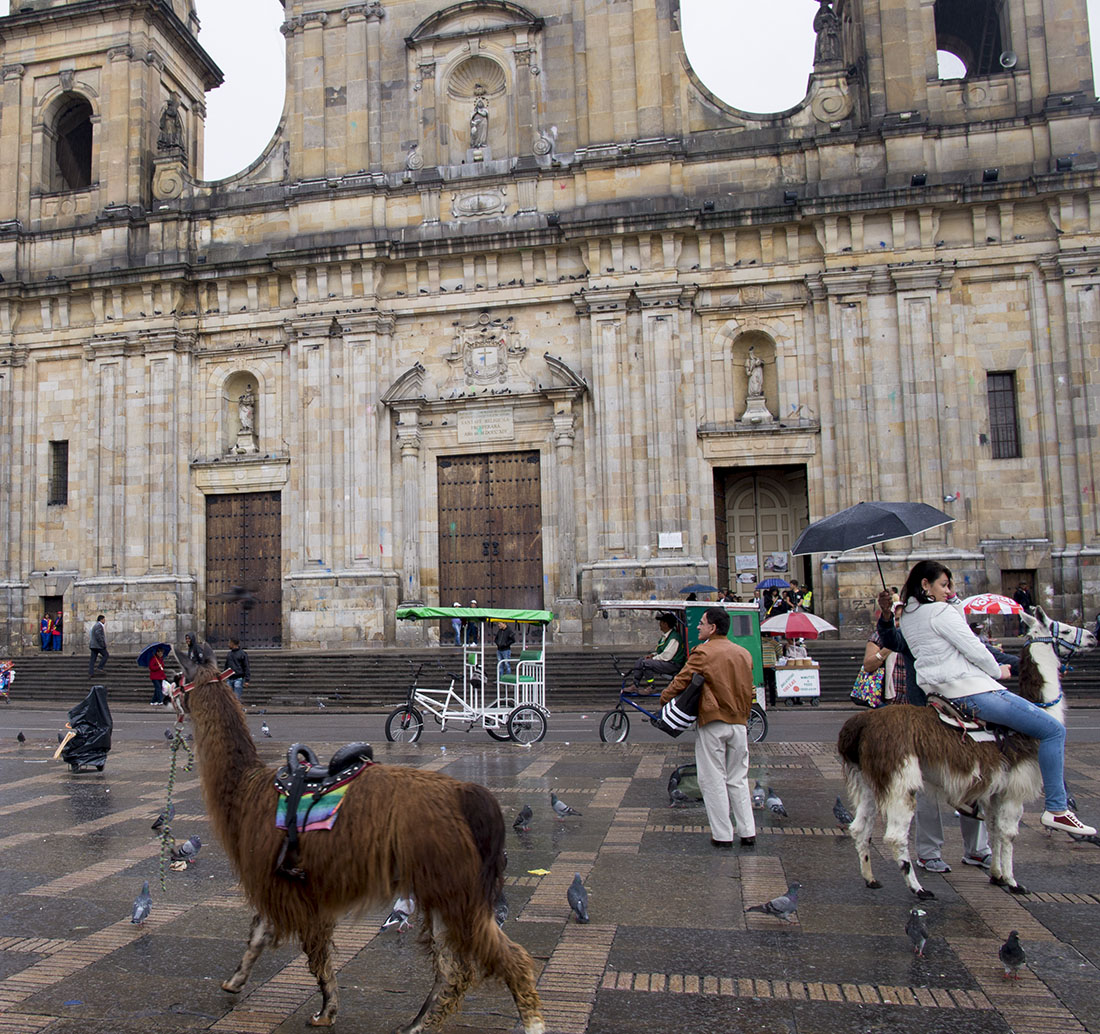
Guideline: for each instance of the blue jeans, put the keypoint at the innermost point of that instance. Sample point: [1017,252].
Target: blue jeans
[505,655]
[237,685]
[1005,708]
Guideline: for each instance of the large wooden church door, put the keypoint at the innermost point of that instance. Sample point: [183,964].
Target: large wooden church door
[244,559]
[490,530]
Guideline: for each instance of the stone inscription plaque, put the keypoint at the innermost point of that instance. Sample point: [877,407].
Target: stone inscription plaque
[485,425]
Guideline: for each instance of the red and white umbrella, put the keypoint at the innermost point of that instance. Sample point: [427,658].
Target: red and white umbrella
[991,603]
[796,624]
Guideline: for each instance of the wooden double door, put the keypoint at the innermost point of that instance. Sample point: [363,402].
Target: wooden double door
[490,530]
[244,560]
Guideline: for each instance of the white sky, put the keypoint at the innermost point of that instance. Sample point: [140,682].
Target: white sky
[755,56]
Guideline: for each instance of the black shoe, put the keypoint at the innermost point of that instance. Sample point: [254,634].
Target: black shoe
[748,841]
[722,845]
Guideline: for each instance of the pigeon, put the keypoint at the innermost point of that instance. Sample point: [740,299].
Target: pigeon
[783,906]
[560,807]
[187,851]
[143,905]
[165,817]
[1012,956]
[917,931]
[523,819]
[500,909]
[577,897]
[843,815]
[168,735]
[21,738]
[265,729]
[403,909]
[758,795]
[775,803]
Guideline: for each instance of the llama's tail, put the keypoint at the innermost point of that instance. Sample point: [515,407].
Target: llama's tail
[483,816]
[848,741]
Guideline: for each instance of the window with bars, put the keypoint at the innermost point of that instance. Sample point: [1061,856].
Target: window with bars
[1004,423]
[59,474]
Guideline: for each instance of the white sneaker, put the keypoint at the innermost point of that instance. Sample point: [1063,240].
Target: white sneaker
[1067,822]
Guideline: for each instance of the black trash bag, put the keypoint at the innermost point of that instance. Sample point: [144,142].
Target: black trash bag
[92,723]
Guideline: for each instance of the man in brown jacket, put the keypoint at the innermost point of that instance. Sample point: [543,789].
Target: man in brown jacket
[721,746]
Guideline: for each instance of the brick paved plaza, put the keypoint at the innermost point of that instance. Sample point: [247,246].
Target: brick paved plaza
[669,947]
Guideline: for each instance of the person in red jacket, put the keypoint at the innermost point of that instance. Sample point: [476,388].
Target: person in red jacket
[156,676]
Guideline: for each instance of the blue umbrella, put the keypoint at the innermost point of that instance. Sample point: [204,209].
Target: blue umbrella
[698,587]
[146,655]
[773,583]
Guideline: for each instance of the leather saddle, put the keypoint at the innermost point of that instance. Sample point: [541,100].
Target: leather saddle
[303,775]
[968,723]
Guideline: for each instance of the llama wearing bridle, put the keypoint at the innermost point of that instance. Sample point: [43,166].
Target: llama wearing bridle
[399,831]
[891,754]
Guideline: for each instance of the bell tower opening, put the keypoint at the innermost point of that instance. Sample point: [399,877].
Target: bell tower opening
[73,145]
[974,32]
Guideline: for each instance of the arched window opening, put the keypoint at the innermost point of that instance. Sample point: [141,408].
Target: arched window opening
[73,145]
[972,31]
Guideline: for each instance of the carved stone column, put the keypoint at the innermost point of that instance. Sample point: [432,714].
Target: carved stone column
[564,435]
[408,438]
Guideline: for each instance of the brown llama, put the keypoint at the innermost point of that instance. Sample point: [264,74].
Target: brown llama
[399,831]
[893,753]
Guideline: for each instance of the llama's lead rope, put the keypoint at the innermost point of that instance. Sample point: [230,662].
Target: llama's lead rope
[167,841]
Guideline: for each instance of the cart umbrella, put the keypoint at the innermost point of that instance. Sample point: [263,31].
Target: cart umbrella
[797,625]
[866,524]
[991,603]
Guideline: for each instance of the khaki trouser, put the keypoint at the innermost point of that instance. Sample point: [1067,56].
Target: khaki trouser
[722,762]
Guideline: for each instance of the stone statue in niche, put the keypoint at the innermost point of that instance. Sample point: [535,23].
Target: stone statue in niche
[756,409]
[479,120]
[246,419]
[827,27]
[170,138]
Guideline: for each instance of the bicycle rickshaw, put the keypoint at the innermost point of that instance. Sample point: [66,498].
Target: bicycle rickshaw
[744,630]
[508,705]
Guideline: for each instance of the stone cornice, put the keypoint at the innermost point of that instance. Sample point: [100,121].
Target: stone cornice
[930,277]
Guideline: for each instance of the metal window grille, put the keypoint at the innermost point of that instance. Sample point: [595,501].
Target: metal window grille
[1004,423]
[59,474]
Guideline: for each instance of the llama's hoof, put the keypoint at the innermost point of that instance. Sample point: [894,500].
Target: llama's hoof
[1018,888]
[925,895]
[231,987]
[998,881]
[317,1020]
[874,885]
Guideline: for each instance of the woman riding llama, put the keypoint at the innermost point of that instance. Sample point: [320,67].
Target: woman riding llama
[951,662]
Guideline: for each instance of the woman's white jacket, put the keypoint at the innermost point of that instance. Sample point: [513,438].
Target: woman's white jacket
[950,659]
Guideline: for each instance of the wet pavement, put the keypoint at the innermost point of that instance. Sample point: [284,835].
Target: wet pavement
[669,947]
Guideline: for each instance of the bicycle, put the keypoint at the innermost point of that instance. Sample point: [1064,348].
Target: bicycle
[615,724]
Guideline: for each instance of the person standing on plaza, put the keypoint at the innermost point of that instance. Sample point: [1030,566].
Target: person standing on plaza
[504,639]
[237,661]
[156,677]
[1022,596]
[55,632]
[194,654]
[46,631]
[456,627]
[97,644]
[721,745]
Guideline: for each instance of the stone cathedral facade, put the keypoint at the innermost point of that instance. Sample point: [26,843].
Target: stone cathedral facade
[512,308]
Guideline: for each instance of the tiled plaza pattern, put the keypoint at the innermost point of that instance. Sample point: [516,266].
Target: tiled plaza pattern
[669,948]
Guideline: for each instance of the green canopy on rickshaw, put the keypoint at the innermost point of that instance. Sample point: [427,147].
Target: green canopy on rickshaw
[534,617]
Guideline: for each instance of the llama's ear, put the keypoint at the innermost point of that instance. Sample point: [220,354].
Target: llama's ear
[1041,614]
[207,653]
[1034,624]
[184,661]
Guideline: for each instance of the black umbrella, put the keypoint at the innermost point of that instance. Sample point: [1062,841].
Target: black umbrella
[867,523]
[697,587]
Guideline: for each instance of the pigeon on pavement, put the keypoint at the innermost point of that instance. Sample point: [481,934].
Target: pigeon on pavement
[843,815]
[775,803]
[403,909]
[577,897]
[500,909]
[560,807]
[165,817]
[1012,956]
[21,738]
[917,931]
[187,851]
[265,729]
[758,795]
[143,905]
[523,819]
[783,906]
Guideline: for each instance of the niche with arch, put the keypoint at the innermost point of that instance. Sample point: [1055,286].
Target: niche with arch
[763,347]
[974,31]
[477,110]
[70,134]
[235,416]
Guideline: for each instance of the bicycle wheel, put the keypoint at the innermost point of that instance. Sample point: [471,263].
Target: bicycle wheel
[527,724]
[757,724]
[404,725]
[500,732]
[615,726]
